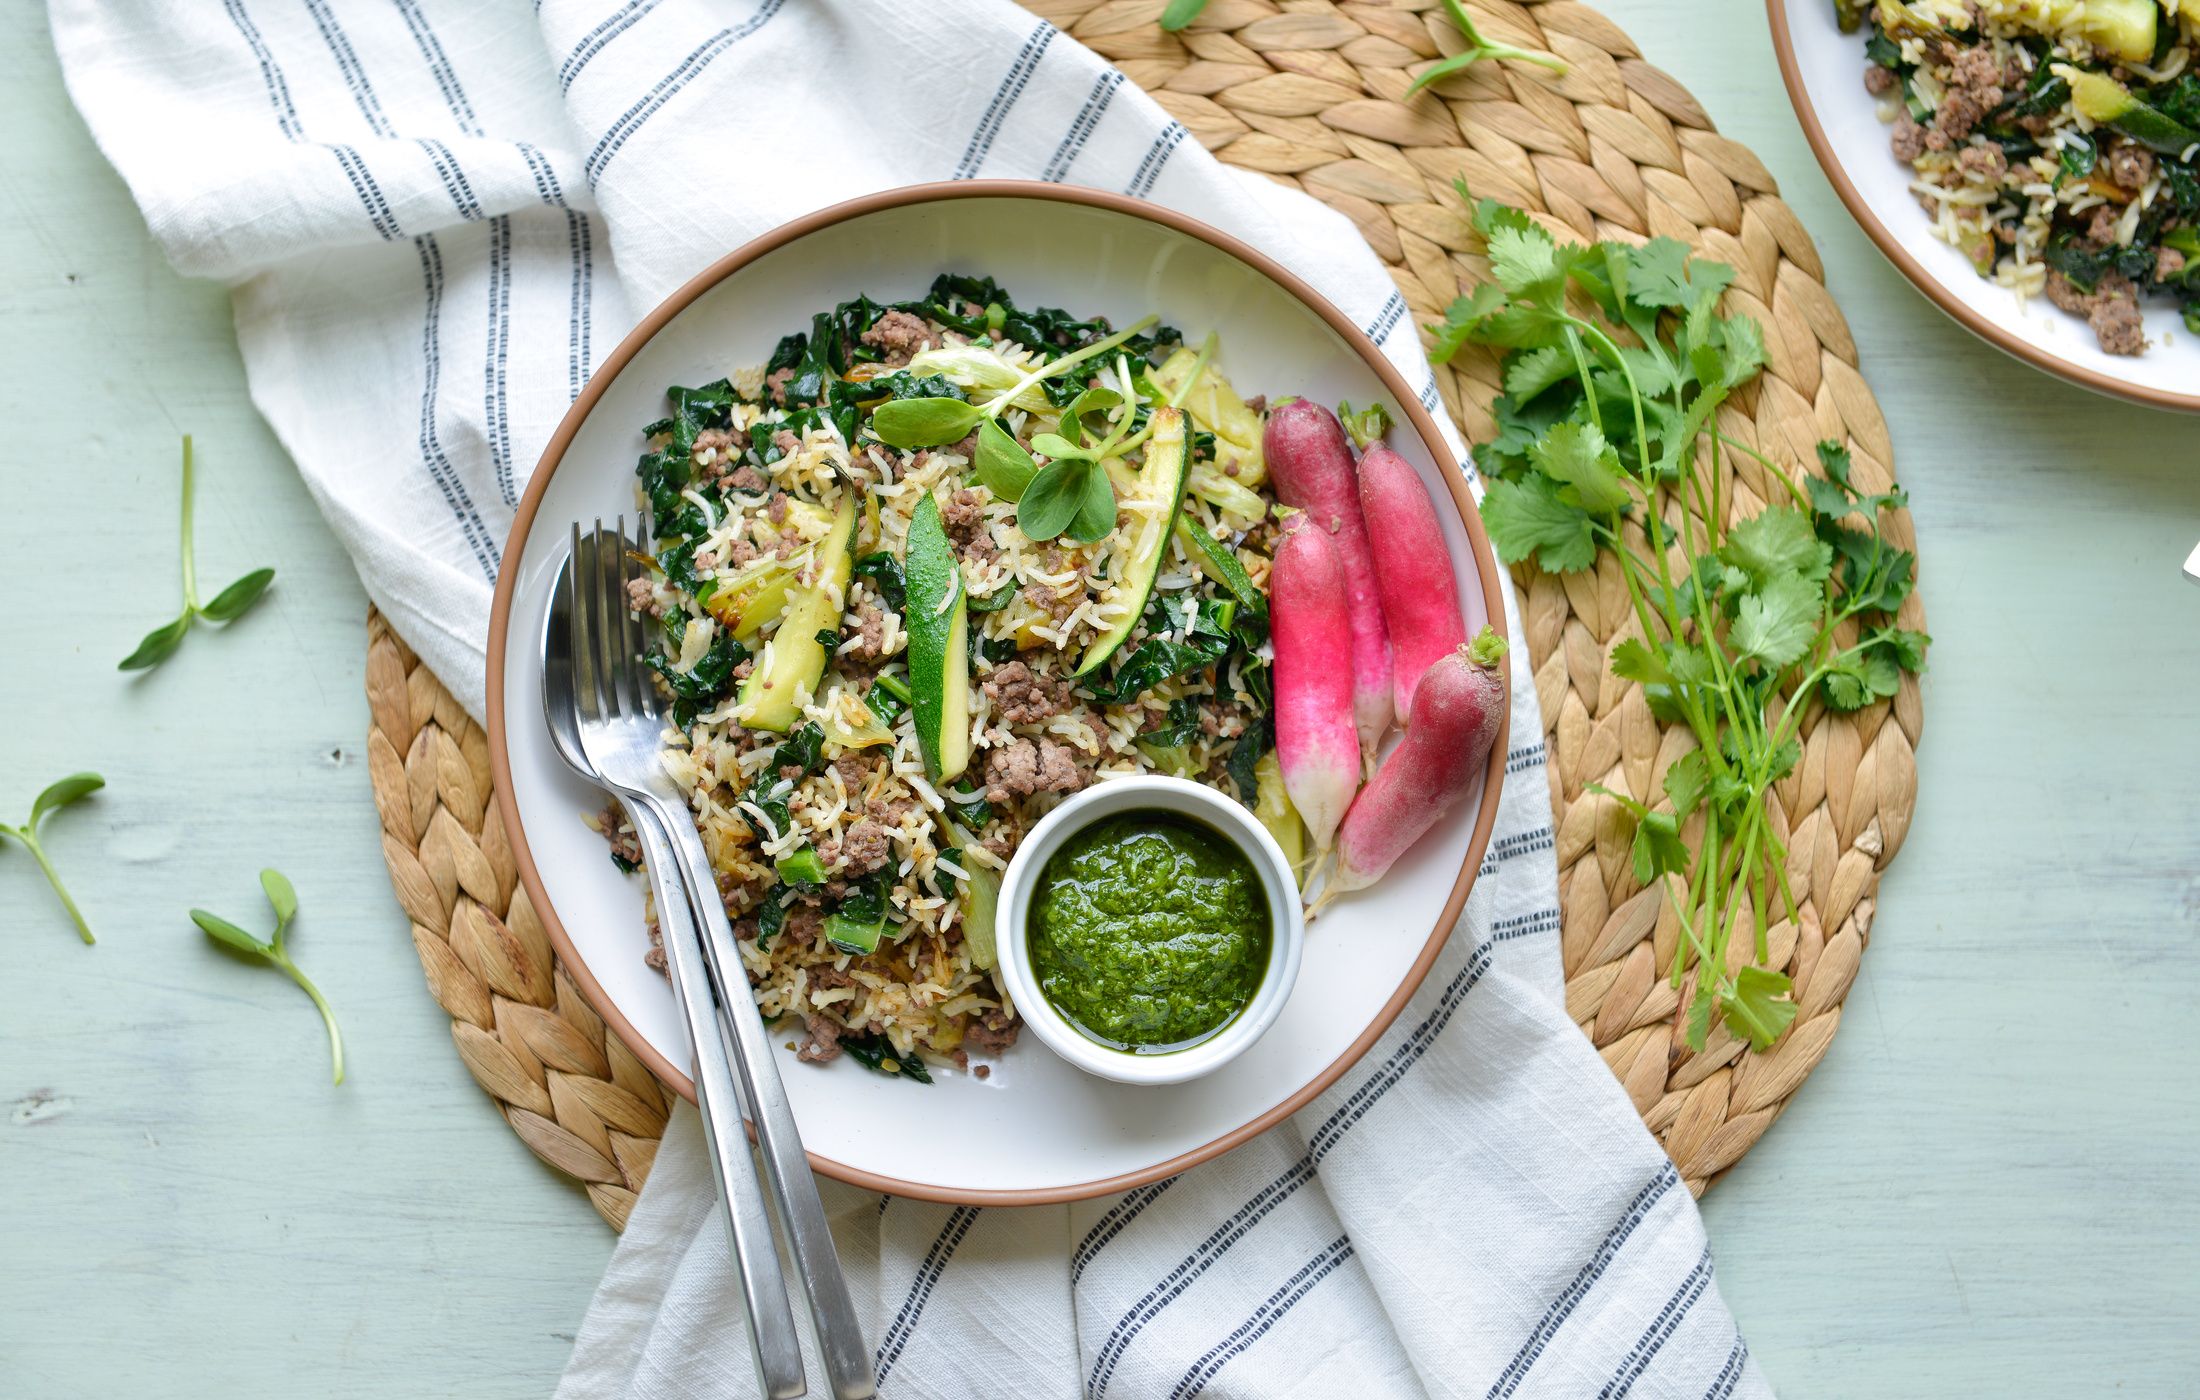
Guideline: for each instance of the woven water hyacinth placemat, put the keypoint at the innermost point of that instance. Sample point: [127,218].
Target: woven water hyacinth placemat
[1311,93]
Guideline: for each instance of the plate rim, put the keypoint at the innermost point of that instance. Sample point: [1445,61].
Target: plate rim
[647,328]
[1935,290]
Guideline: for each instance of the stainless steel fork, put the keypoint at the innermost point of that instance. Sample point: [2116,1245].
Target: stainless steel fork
[624,742]
[582,706]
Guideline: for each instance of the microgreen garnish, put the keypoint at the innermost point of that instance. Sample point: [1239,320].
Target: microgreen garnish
[225,606]
[284,900]
[56,796]
[1602,433]
[1181,13]
[1478,49]
[1002,464]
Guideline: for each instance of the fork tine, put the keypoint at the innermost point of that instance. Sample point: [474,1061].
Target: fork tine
[643,681]
[579,585]
[605,617]
[628,634]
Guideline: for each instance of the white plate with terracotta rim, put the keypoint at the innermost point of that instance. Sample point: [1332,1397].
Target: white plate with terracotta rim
[1824,72]
[1037,1130]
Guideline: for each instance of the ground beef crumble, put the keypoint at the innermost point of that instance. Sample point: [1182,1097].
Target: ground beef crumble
[898,335]
[992,1033]
[1025,767]
[1021,696]
[820,1040]
[870,634]
[2111,308]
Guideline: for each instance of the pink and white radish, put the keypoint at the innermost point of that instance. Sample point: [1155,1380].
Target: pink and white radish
[1311,465]
[1457,710]
[1412,570]
[1316,744]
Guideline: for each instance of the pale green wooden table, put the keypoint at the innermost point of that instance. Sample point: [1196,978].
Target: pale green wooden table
[1991,1187]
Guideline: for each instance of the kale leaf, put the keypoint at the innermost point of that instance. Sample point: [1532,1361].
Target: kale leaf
[875,1052]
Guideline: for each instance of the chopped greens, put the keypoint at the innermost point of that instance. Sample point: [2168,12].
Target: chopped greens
[1605,427]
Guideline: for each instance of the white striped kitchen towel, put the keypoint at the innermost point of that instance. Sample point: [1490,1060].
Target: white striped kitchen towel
[418,204]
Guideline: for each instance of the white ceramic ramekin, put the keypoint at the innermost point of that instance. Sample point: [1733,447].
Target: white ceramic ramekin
[1287,928]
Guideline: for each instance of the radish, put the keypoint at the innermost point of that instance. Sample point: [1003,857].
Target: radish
[1412,569]
[1457,710]
[1311,465]
[1312,630]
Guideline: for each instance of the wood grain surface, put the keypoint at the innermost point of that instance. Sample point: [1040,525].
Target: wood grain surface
[1990,1186]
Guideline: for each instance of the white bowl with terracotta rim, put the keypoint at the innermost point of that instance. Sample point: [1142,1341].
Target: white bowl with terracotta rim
[1176,797]
[1824,72]
[1037,1130]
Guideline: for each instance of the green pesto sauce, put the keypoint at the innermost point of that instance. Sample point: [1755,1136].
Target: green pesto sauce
[1148,930]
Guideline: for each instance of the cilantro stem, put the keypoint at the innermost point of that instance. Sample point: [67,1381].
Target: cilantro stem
[29,837]
[190,560]
[1802,498]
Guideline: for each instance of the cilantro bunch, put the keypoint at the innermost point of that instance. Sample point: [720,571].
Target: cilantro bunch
[1607,441]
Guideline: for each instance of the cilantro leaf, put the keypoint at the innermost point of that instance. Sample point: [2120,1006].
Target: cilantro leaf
[1775,624]
[1528,517]
[1530,372]
[1687,781]
[1658,848]
[1523,260]
[1657,274]
[1577,455]
[1775,542]
[1633,660]
[1461,318]
[1756,1009]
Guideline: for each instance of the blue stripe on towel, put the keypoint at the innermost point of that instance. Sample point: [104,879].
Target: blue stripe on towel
[1325,1138]
[1331,1258]
[634,118]
[1081,129]
[1004,97]
[439,465]
[596,40]
[1660,1330]
[1562,1307]
[1157,155]
[904,1324]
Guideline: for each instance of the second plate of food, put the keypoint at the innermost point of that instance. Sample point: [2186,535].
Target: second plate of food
[2032,165]
[1001,637]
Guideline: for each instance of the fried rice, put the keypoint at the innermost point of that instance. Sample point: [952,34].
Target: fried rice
[836,823]
[2044,199]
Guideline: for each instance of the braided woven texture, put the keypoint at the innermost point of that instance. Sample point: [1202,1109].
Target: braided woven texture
[1311,93]
[574,1093]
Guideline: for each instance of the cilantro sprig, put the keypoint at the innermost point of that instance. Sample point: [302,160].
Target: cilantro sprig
[1607,442]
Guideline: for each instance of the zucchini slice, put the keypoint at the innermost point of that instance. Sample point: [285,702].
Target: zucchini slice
[770,696]
[1160,482]
[938,619]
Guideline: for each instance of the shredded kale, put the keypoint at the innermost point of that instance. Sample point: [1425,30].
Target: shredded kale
[804,748]
[1252,746]
[771,915]
[702,685]
[886,577]
[2086,266]
[875,1052]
